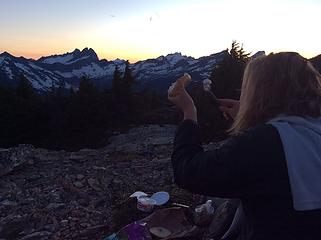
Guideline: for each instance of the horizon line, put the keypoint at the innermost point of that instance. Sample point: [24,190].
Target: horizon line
[130,61]
[16,55]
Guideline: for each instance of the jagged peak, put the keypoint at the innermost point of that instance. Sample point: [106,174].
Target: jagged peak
[118,61]
[71,57]
[173,58]
[76,51]
[6,54]
[174,54]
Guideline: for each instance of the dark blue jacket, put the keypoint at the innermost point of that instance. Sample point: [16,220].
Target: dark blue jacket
[250,167]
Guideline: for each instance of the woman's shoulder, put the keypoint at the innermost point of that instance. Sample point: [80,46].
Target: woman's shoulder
[263,129]
[260,135]
[260,158]
[260,142]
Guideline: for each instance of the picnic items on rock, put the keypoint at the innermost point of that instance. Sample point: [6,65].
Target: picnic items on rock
[203,214]
[160,197]
[146,204]
[138,194]
[160,232]
[170,223]
[133,231]
[180,222]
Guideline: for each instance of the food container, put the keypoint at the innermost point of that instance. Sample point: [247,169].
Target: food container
[145,204]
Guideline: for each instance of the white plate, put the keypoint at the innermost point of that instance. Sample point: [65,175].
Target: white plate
[160,197]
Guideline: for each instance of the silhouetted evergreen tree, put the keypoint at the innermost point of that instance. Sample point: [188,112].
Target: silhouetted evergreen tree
[86,87]
[61,90]
[128,80]
[71,91]
[117,82]
[227,80]
[227,75]
[24,88]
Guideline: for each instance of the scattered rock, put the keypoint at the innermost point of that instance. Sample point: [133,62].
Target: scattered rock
[37,236]
[77,158]
[11,159]
[94,184]
[8,203]
[80,176]
[64,223]
[78,195]
[78,184]
[50,227]
[55,206]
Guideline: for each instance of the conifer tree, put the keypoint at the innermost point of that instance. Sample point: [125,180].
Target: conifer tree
[24,88]
[227,80]
[61,88]
[117,82]
[227,75]
[128,80]
[86,87]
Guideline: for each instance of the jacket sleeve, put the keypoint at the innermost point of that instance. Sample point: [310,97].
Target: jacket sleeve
[229,171]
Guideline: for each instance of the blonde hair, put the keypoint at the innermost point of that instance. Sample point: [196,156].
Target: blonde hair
[281,83]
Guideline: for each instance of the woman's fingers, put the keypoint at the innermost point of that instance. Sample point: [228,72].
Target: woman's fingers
[226,116]
[226,110]
[182,99]
[230,111]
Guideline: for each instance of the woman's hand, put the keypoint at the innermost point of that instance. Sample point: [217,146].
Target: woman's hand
[184,102]
[229,107]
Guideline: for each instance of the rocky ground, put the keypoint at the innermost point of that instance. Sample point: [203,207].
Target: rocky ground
[83,195]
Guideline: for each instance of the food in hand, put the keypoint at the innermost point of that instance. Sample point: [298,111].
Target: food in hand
[181,82]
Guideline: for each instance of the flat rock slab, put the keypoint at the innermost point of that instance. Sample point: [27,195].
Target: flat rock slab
[11,159]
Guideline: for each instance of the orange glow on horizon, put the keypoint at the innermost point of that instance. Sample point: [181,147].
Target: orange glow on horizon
[132,58]
[36,56]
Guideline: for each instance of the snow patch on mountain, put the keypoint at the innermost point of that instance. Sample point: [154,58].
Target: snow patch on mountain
[40,79]
[65,74]
[160,71]
[91,71]
[9,72]
[1,60]
[59,59]
[192,61]
[27,70]
[174,58]
[119,61]
[23,67]
[77,60]
[39,68]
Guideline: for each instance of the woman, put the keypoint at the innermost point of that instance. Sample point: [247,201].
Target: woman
[272,162]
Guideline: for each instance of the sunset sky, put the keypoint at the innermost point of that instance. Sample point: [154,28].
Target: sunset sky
[141,29]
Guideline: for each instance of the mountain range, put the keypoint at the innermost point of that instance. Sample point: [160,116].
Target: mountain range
[68,68]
